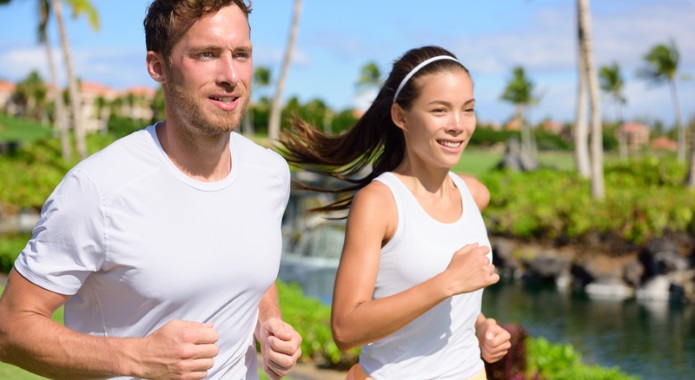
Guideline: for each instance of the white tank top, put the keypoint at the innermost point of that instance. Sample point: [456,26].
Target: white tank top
[440,344]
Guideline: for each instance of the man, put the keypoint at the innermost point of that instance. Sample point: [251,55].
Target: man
[165,246]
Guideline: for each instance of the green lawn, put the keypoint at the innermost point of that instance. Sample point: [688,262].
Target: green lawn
[12,129]
[476,162]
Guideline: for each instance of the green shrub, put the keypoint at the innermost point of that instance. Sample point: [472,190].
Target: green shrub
[312,320]
[644,199]
[563,362]
[10,247]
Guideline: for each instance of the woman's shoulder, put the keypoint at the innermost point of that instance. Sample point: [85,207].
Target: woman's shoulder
[478,190]
[374,193]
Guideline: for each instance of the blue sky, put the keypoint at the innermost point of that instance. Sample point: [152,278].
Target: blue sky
[336,38]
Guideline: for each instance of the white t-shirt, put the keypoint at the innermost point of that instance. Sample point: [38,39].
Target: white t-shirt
[441,343]
[138,244]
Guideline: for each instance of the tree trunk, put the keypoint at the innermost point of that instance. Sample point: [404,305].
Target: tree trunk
[622,139]
[690,178]
[276,107]
[59,117]
[526,144]
[581,128]
[75,99]
[597,186]
[679,125]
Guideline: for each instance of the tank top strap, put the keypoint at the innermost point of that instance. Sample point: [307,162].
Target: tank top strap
[400,194]
[467,200]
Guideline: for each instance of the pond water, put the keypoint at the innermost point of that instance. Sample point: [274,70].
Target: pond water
[655,341]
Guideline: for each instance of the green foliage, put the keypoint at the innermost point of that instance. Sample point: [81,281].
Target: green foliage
[120,126]
[312,320]
[35,169]
[12,129]
[563,362]
[488,137]
[10,247]
[644,199]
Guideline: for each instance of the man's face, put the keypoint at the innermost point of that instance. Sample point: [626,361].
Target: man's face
[208,75]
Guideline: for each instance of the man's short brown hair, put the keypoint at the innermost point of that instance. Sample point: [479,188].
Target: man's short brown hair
[168,20]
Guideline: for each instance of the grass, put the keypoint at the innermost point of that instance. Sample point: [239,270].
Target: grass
[476,161]
[12,129]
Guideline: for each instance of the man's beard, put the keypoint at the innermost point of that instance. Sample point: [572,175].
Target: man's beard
[191,112]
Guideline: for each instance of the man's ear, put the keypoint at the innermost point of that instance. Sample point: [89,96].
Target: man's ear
[398,116]
[155,67]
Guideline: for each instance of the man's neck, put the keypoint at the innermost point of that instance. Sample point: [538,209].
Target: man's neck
[200,156]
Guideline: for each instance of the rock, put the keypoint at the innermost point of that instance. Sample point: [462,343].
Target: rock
[613,290]
[503,257]
[546,268]
[655,289]
[633,272]
[662,256]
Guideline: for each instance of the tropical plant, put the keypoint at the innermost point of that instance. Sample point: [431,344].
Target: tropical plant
[276,107]
[612,83]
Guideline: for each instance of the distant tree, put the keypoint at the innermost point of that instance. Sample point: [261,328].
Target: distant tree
[276,107]
[261,79]
[520,92]
[612,83]
[30,96]
[157,105]
[661,66]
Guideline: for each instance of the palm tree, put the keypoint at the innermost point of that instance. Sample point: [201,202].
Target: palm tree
[581,128]
[662,67]
[584,16]
[612,83]
[370,77]
[276,108]
[78,7]
[59,117]
[520,92]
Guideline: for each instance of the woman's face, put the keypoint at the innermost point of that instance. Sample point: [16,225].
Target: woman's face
[440,121]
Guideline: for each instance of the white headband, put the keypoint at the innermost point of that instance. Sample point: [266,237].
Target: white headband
[416,69]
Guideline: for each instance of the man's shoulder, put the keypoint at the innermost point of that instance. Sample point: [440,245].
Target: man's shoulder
[128,157]
[256,155]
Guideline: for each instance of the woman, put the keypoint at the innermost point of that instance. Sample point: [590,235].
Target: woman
[416,254]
